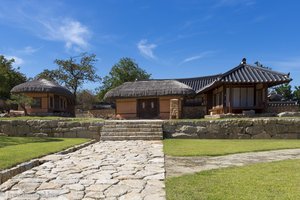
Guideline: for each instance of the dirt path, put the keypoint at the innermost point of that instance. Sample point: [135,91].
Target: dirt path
[177,166]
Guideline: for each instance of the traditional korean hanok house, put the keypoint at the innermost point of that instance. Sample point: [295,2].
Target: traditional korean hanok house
[242,88]
[149,99]
[49,98]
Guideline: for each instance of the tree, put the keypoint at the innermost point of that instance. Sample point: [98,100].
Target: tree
[9,77]
[50,75]
[125,70]
[22,100]
[296,94]
[85,99]
[285,90]
[73,73]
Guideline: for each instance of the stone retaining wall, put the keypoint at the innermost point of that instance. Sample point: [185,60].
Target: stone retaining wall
[287,128]
[51,128]
[281,128]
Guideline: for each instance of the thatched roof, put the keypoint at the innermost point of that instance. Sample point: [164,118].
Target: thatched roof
[150,88]
[42,85]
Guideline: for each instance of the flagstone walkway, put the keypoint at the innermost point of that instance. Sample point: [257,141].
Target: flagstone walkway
[130,170]
[178,166]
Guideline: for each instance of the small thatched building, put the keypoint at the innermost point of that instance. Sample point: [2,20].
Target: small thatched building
[242,88]
[148,99]
[49,98]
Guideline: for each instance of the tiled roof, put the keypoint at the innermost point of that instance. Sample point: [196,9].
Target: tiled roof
[200,82]
[249,74]
[243,73]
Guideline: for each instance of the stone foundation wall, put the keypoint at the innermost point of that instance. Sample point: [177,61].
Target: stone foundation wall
[281,128]
[51,128]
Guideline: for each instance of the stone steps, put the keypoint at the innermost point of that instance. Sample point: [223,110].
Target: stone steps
[105,138]
[132,130]
[123,125]
[132,133]
[125,129]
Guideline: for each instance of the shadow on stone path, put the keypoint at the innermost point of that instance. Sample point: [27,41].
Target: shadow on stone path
[177,166]
[105,170]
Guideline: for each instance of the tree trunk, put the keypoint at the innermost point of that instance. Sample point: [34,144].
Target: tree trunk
[25,110]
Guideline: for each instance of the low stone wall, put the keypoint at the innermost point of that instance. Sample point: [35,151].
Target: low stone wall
[281,128]
[51,128]
[278,107]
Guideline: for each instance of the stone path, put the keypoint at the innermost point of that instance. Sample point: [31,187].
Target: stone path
[177,166]
[105,170]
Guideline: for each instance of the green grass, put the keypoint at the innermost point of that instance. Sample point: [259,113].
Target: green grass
[264,181]
[216,147]
[15,150]
[35,118]
[71,119]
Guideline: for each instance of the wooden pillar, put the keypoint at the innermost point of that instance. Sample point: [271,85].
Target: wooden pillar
[230,99]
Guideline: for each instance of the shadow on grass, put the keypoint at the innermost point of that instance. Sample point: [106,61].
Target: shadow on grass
[9,141]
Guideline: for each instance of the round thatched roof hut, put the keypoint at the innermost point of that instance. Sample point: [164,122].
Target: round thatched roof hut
[151,88]
[42,85]
[49,98]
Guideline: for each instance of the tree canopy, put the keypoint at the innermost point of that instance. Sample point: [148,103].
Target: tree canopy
[296,93]
[51,75]
[22,100]
[285,90]
[9,77]
[73,72]
[85,99]
[124,71]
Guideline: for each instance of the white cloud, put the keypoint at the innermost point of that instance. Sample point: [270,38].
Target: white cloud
[28,50]
[197,57]
[146,49]
[49,23]
[235,3]
[71,32]
[18,61]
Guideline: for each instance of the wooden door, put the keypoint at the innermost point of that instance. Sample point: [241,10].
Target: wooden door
[148,108]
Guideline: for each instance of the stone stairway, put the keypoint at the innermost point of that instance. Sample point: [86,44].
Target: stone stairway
[132,130]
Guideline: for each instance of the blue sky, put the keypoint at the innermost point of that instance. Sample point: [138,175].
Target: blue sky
[169,39]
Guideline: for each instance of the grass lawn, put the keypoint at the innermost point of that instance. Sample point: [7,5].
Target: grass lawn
[264,181]
[216,147]
[15,150]
[68,119]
